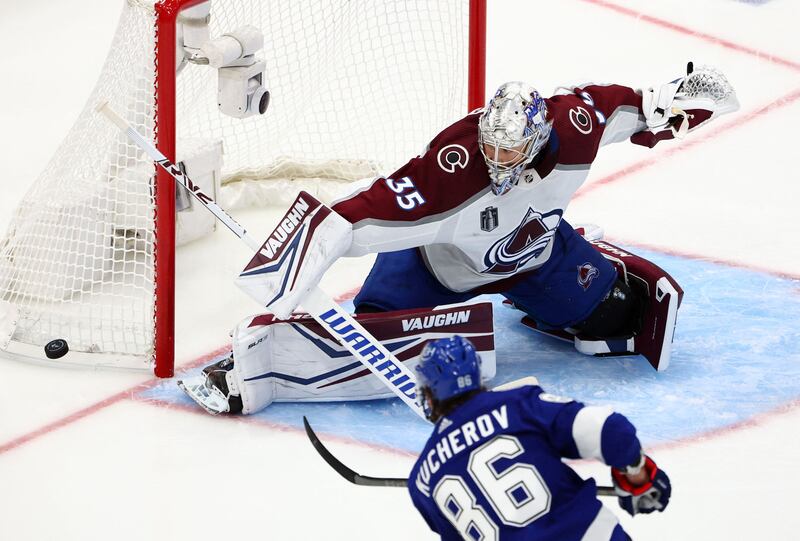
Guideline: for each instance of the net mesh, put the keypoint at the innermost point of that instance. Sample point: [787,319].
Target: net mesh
[357,88]
[64,271]
[351,82]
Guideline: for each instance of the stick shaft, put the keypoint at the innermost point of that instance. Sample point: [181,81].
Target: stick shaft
[179,176]
[385,366]
[364,480]
[394,374]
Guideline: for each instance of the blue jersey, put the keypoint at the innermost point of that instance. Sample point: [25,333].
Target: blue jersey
[492,469]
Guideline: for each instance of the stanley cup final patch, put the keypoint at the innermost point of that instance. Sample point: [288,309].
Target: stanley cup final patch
[489,218]
[586,274]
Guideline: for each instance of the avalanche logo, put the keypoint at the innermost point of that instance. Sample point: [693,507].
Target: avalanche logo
[586,274]
[526,242]
[581,120]
[453,156]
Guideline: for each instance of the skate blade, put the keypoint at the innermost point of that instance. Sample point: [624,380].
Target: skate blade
[208,399]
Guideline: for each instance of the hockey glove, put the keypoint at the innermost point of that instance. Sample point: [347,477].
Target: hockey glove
[646,498]
[678,107]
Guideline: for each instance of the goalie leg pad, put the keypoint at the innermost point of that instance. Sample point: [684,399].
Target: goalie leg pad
[661,296]
[618,314]
[296,360]
[253,361]
[657,298]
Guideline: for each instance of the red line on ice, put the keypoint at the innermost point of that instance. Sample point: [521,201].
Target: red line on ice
[128,394]
[77,416]
[98,406]
[700,257]
[626,171]
[280,427]
[735,122]
[638,15]
[756,420]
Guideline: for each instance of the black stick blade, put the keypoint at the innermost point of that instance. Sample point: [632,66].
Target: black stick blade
[364,480]
[344,471]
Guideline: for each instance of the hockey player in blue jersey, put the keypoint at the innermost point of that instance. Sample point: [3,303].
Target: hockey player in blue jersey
[492,468]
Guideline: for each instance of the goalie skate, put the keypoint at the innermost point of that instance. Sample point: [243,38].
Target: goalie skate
[212,391]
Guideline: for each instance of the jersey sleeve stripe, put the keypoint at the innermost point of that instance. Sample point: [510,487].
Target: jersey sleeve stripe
[357,188]
[432,218]
[622,123]
[587,430]
[602,527]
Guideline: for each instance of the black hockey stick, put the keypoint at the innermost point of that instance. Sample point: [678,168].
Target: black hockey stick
[363,480]
[347,473]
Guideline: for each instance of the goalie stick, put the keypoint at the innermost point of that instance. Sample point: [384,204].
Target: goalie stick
[317,303]
[365,480]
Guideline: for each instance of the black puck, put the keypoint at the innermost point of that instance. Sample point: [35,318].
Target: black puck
[55,349]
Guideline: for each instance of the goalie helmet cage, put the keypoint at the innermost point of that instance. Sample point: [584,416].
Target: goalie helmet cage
[357,88]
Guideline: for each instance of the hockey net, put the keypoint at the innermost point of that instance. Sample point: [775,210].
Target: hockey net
[358,87]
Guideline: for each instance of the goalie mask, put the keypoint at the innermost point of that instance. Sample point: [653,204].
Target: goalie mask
[512,130]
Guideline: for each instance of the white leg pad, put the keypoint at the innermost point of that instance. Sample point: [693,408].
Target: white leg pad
[296,360]
[253,356]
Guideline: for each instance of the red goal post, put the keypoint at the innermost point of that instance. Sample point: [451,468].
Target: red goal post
[97,266]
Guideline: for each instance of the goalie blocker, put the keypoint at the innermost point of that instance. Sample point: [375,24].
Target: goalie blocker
[297,360]
[295,256]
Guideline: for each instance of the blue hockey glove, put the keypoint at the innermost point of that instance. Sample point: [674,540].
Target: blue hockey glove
[646,498]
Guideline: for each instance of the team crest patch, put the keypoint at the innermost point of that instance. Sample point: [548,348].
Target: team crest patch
[490,218]
[527,241]
[581,120]
[586,274]
[452,157]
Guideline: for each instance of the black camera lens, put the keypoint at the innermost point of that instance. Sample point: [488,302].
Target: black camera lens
[263,103]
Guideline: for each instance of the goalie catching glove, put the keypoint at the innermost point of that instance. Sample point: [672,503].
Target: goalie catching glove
[645,498]
[678,107]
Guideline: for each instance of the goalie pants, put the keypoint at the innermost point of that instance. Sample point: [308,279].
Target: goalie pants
[561,293]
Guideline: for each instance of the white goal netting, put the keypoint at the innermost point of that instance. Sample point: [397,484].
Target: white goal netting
[357,88]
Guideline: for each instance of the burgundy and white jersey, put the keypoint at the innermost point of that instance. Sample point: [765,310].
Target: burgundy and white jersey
[442,202]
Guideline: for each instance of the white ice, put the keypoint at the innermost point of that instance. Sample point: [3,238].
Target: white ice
[80,459]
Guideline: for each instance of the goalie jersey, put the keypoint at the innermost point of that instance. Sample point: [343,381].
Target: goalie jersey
[493,470]
[441,201]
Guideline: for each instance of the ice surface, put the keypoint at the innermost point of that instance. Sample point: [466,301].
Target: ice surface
[87,455]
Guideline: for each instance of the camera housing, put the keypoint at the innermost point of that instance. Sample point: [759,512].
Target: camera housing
[193,32]
[241,92]
[240,73]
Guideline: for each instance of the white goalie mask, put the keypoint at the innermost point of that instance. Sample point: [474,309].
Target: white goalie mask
[512,130]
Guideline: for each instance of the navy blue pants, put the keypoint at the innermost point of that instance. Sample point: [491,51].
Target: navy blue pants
[561,293]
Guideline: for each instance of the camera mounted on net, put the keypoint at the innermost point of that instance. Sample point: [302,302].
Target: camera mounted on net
[240,73]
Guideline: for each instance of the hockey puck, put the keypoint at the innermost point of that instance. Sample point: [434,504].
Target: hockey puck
[55,349]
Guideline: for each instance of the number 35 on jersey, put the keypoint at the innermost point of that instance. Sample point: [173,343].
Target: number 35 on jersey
[408,197]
